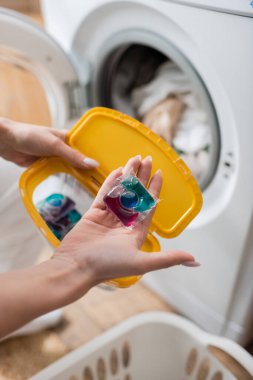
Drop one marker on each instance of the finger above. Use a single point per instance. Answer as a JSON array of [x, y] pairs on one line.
[[132, 165], [144, 171], [147, 262], [61, 133], [106, 187], [74, 157], [25, 161], [155, 189], [155, 184]]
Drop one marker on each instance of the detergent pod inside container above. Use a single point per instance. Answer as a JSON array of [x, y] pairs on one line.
[[61, 201], [56, 194]]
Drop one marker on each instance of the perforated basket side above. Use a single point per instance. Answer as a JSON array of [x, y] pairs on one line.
[[149, 346]]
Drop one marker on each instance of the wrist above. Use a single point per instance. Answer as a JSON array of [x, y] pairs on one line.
[[66, 280], [4, 126], [28, 293], [5, 133]]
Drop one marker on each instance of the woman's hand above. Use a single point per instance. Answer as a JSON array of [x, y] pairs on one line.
[[25, 143], [97, 249], [103, 249]]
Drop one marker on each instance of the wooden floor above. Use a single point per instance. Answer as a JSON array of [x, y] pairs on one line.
[[22, 98]]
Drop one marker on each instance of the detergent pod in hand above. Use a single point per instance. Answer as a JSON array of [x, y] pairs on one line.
[[129, 200], [56, 194]]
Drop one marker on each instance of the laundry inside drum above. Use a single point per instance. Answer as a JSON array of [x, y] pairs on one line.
[[148, 85]]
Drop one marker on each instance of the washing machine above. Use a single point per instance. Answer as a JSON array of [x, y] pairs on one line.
[[211, 42]]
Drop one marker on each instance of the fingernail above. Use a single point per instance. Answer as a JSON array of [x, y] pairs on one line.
[[90, 162], [148, 158], [191, 264], [159, 172], [139, 157]]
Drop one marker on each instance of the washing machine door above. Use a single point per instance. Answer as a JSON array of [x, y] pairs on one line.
[[118, 39], [25, 45]]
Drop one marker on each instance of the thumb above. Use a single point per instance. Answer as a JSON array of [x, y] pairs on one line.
[[148, 262], [74, 157], [71, 155]]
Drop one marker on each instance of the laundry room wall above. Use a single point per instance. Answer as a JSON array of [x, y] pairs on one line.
[[71, 10]]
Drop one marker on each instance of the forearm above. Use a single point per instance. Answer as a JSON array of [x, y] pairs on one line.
[[29, 293], [4, 135]]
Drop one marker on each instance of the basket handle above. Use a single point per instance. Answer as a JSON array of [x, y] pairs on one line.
[[241, 361]]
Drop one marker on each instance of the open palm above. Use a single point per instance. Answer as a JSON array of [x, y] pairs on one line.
[[100, 244]]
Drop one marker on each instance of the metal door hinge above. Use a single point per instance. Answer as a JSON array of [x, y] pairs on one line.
[[77, 98]]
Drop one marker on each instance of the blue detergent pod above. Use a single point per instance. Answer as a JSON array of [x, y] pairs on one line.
[[129, 199], [146, 201]]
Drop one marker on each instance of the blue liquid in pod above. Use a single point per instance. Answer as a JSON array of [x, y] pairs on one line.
[[55, 202], [146, 202], [129, 199]]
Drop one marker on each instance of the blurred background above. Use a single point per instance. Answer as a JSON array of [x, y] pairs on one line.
[[23, 98], [28, 6]]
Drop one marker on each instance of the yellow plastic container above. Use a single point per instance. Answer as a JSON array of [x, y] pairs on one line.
[[111, 138]]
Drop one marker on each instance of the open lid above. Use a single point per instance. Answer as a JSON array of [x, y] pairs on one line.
[[24, 43], [111, 138]]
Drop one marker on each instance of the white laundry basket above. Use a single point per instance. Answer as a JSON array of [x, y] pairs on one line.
[[150, 346]]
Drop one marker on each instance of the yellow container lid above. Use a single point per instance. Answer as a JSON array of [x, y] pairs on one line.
[[111, 138]]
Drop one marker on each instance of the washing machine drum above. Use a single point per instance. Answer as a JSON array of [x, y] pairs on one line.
[[148, 85]]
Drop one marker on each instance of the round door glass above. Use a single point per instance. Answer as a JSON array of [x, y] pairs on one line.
[[148, 85]]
